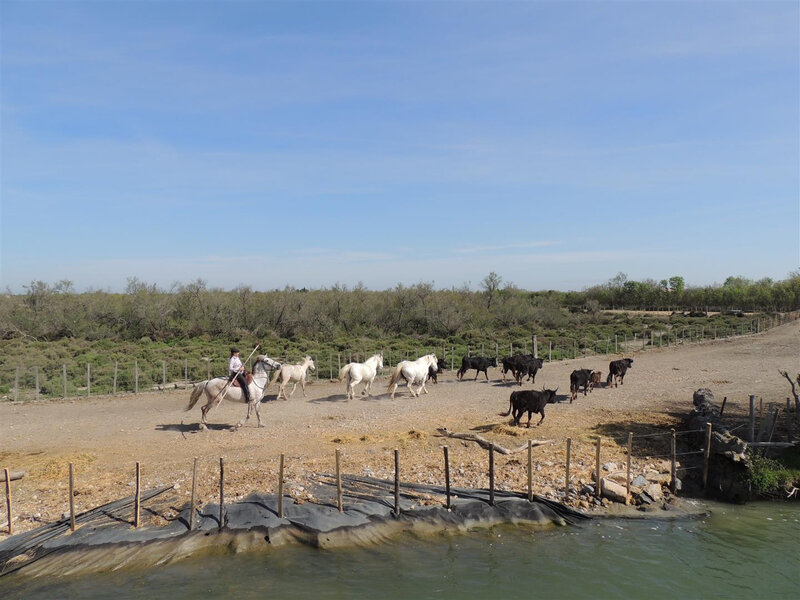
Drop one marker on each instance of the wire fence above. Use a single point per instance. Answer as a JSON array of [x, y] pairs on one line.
[[103, 376]]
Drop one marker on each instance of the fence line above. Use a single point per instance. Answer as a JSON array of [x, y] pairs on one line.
[[113, 376], [571, 445]]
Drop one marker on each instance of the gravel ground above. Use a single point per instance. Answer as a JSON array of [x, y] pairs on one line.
[[104, 436]]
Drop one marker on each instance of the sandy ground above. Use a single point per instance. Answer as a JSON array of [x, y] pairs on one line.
[[103, 437]]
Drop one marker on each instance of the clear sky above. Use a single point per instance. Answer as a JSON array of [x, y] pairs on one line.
[[313, 143]]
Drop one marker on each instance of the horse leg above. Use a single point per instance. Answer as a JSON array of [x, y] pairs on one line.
[[247, 418], [258, 413], [294, 387], [303, 386]]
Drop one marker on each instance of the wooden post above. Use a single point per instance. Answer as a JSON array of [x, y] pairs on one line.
[[64, 378], [36, 381], [221, 492], [338, 362], [330, 362], [722, 409], [136, 377], [185, 372], [194, 495], [447, 474], [597, 469], [530, 471], [628, 478], [116, 367], [752, 429], [535, 347], [566, 475], [396, 481], [16, 384], [339, 482], [491, 474], [707, 456], [673, 466], [137, 498], [163, 375], [88, 379], [71, 498], [789, 432], [208, 369], [8, 502], [616, 344], [280, 487], [550, 351]]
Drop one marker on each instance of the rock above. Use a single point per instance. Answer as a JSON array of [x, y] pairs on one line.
[[654, 491], [612, 490], [644, 498], [610, 466], [584, 504], [587, 489]]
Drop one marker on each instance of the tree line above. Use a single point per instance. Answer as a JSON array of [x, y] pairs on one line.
[[47, 312]]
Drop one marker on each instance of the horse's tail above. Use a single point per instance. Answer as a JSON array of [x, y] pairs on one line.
[[274, 378], [508, 412], [395, 376], [196, 393], [344, 372]]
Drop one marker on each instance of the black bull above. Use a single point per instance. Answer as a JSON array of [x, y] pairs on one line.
[[530, 401], [479, 363], [617, 370]]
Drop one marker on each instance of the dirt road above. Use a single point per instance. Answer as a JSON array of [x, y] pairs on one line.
[[103, 437]]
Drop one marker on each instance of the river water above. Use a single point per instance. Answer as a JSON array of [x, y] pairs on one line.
[[750, 551]]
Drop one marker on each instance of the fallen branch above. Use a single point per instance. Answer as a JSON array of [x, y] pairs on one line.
[[484, 443], [13, 475]]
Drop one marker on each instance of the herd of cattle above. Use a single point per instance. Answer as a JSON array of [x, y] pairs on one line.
[[534, 401]]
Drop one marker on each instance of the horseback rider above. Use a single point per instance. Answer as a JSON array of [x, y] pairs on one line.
[[236, 371]]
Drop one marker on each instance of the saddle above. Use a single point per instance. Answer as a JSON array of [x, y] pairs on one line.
[[248, 377]]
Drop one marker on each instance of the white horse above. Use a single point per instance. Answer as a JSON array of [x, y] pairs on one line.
[[415, 371], [293, 374], [218, 388], [354, 373]]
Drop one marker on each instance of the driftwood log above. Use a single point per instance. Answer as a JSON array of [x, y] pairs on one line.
[[12, 475], [484, 443]]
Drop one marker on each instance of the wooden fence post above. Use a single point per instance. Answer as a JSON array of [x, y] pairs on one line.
[[88, 379], [491, 474], [280, 487], [550, 351], [16, 384], [566, 476], [36, 381], [447, 474], [339, 502], [71, 498], [673, 467], [8, 502], [789, 432], [163, 375], [597, 469], [396, 482], [64, 378], [194, 495], [221, 492], [137, 498], [628, 478], [530, 471], [136, 377], [185, 372], [752, 428], [707, 456], [722, 408], [116, 366]]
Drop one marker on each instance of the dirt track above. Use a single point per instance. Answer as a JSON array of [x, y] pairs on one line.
[[104, 436]]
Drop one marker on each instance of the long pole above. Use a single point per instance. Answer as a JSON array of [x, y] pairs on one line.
[[71, 499], [707, 456], [566, 475], [280, 487], [137, 498], [8, 501], [339, 502], [396, 481], [597, 469], [628, 478], [491, 474], [194, 495], [530, 471], [221, 492], [447, 474]]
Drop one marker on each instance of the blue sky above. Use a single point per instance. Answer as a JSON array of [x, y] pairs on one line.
[[312, 143]]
